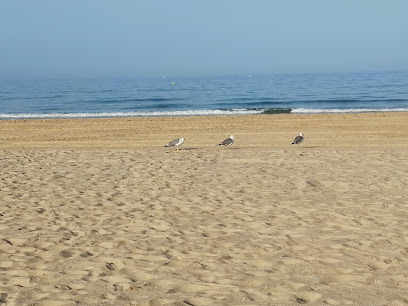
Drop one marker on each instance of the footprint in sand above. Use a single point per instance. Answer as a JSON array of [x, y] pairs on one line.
[[307, 297]]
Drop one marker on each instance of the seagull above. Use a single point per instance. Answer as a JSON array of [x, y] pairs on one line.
[[299, 139], [175, 143], [228, 142]]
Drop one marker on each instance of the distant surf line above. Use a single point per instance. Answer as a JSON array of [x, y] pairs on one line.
[[249, 111]]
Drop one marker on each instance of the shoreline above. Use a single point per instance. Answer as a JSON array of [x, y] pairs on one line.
[[199, 113]]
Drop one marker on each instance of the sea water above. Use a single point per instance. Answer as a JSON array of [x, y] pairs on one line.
[[184, 96]]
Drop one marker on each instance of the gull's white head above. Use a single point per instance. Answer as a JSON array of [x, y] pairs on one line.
[[181, 141], [232, 137], [301, 134]]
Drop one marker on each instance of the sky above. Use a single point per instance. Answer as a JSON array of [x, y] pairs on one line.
[[149, 38]]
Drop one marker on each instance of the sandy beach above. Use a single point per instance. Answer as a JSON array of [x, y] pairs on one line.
[[98, 212]]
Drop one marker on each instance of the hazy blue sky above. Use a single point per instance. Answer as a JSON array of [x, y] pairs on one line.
[[125, 38]]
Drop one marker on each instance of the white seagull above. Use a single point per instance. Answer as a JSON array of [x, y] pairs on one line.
[[176, 142], [299, 139], [228, 142]]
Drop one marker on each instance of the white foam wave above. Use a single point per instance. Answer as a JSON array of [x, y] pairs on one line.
[[130, 114], [346, 110], [192, 113]]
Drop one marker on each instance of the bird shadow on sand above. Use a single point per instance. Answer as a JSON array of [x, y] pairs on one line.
[[235, 148], [311, 147], [188, 149]]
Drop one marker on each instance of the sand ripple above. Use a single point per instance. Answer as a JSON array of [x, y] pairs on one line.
[[203, 227]]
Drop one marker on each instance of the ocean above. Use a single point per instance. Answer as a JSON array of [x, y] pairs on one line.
[[178, 96]]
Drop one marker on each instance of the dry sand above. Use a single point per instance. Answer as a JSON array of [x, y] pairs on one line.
[[98, 212]]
